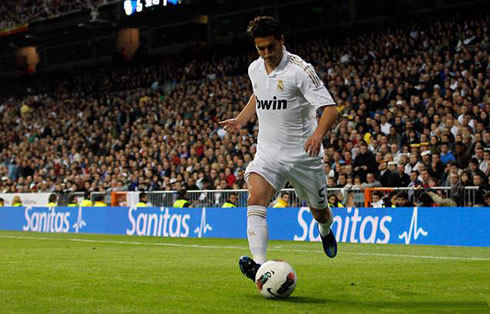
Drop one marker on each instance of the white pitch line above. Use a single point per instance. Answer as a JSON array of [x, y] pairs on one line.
[[245, 248]]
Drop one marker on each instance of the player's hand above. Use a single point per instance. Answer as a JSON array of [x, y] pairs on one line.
[[231, 125], [313, 144]]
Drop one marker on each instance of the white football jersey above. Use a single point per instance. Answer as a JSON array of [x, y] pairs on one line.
[[287, 101]]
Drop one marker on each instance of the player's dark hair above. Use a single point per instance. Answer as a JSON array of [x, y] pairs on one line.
[[264, 26]]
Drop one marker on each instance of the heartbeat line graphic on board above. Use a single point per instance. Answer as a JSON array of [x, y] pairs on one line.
[[413, 229], [80, 222], [204, 227]]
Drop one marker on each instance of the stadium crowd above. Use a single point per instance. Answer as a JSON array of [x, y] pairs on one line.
[[414, 104], [19, 12]]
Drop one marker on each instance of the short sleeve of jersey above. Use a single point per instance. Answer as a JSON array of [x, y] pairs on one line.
[[251, 68], [312, 88]]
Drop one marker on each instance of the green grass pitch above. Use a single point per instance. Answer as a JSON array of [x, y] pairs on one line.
[[74, 273]]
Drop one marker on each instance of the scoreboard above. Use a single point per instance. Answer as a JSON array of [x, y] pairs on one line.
[[137, 6]]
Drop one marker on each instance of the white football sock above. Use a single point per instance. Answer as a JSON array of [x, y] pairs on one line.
[[257, 232], [325, 228]]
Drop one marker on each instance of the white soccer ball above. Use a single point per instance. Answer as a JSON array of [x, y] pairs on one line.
[[276, 279]]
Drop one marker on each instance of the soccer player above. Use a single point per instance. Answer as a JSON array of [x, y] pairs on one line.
[[286, 96]]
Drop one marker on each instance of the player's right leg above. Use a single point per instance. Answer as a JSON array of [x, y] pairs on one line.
[[260, 193], [308, 179], [324, 218]]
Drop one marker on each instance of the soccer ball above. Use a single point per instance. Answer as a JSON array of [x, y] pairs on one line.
[[275, 279]]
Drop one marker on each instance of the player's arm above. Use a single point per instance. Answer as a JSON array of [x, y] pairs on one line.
[[234, 125], [327, 119]]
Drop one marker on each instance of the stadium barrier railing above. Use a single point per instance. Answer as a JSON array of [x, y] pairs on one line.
[[468, 196], [349, 196]]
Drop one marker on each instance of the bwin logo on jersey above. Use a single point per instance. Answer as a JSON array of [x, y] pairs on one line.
[[274, 104]]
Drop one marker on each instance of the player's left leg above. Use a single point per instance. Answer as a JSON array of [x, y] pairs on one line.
[[259, 194], [263, 179]]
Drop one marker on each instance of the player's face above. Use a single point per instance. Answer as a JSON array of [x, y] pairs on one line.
[[270, 49]]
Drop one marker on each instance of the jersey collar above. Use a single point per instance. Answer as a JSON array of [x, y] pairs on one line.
[[281, 66]]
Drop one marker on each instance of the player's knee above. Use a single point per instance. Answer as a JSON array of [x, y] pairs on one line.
[[256, 200]]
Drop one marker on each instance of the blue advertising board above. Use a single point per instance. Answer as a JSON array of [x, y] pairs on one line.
[[432, 225]]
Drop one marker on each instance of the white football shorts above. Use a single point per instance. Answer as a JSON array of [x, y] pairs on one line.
[[307, 178]]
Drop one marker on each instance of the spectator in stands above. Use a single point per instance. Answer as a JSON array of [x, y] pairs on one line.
[[99, 200], [487, 200], [393, 178], [333, 201], [384, 173], [480, 193], [413, 164], [394, 137], [53, 200], [389, 200], [446, 154], [232, 201], [436, 169], [282, 201], [371, 181], [191, 185], [426, 159], [2, 202], [143, 200], [456, 192], [424, 177], [377, 200], [182, 200], [466, 179], [475, 169], [364, 162], [72, 202], [16, 201], [403, 178], [485, 163], [341, 180], [462, 154], [86, 202], [402, 200]]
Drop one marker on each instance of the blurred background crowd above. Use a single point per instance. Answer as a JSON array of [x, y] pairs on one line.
[[18, 12], [413, 103]]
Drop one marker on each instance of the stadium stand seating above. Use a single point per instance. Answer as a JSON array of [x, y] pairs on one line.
[[21, 12], [418, 95]]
